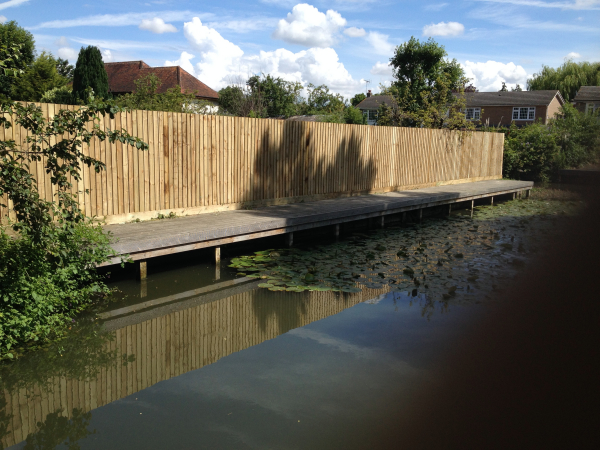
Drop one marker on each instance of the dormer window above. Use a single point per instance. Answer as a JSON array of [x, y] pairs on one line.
[[524, 113]]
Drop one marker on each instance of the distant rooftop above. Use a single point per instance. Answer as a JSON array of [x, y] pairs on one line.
[[588, 94], [512, 98], [121, 77], [375, 101]]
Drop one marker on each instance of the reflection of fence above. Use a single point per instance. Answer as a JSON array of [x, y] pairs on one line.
[[199, 163], [173, 344]]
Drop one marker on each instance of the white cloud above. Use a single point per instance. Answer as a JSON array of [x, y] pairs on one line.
[[246, 25], [67, 53], [306, 25], [380, 43], [382, 69], [435, 7], [444, 29], [157, 26], [577, 4], [62, 42], [107, 56], [119, 20], [355, 32], [573, 55], [488, 76], [11, 3], [3, 19], [221, 62]]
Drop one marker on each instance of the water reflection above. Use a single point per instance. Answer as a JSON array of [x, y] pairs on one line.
[[48, 395]]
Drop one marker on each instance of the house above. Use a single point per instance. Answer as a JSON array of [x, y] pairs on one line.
[[587, 99], [370, 106], [121, 77], [521, 107]]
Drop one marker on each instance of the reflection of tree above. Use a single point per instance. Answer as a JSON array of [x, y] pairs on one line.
[[5, 419], [80, 355], [57, 430]]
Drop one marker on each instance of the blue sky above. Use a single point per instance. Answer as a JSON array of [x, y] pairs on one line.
[[340, 43]]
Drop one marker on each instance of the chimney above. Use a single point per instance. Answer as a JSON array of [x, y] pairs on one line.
[[368, 93]]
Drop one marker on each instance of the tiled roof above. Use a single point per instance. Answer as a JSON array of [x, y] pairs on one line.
[[515, 98], [121, 77], [588, 93], [375, 101]]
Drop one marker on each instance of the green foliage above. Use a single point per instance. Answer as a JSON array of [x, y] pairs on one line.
[[418, 68], [13, 36], [279, 97], [231, 99], [60, 96], [57, 430], [37, 79], [64, 68], [537, 152], [354, 115], [147, 97], [567, 78], [90, 73], [357, 99], [529, 152], [322, 101], [47, 271]]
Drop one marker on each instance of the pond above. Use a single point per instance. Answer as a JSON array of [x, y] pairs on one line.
[[303, 351]]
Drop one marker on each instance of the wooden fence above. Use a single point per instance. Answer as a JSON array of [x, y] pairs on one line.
[[199, 163], [167, 346]]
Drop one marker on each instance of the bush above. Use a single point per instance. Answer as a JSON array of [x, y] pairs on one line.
[[61, 96], [529, 152], [354, 115]]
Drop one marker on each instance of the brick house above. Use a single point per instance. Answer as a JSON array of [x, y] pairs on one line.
[[370, 106], [587, 99], [121, 77], [520, 107]]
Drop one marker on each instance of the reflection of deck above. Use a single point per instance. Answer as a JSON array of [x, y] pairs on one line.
[[149, 239], [168, 345]]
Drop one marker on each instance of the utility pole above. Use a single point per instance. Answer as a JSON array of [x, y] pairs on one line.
[[367, 86]]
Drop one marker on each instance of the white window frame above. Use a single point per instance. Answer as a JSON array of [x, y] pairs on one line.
[[523, 113], [473, 113]]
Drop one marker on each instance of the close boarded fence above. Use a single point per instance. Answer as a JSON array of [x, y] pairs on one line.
[[199, 163]]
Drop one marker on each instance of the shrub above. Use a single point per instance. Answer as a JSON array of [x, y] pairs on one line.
[[61, 96], [529, 152]]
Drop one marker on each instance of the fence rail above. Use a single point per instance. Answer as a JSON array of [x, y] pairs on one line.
[[199, 163]]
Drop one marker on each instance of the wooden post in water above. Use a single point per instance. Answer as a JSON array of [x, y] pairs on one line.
[[420, 215], [290, 239], [449, 209], [217, 263], [143, 288], [143, 270], [528, 193], [492, 200], [514, 195], [472, 206], [336, 231], [381, 221]]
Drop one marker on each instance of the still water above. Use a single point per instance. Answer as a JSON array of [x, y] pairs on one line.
[[189, 361]]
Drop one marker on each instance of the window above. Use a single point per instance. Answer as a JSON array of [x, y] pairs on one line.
[[591, 107], [524, 113], [370, 114], [473, 114]]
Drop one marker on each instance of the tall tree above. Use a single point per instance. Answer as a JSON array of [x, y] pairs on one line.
[[64, 68], [279, 96], [418, 68], [90, 73], [11, 35], [38, 78], [357, 99], [567, 78]]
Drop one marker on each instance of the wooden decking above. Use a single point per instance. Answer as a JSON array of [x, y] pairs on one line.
[[150, 239]]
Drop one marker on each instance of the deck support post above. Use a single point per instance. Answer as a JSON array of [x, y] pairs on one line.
[[420, 214], [217, 263], [472, 207], [514, 195], [143, 270], [143, 288], [528, 193], [381, 221], [449, 209], [336, 231], [492, 200], [290, 239]]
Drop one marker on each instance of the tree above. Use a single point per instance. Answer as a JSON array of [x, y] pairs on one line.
[[517, 88], [60, 96], [418, 68], [357, 99], [353, 115], [567, 78], [231, 99], [64, 68], [279, 97], [90, 73], [322, 101], [40, 77], [504, 88], [12, 35]]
